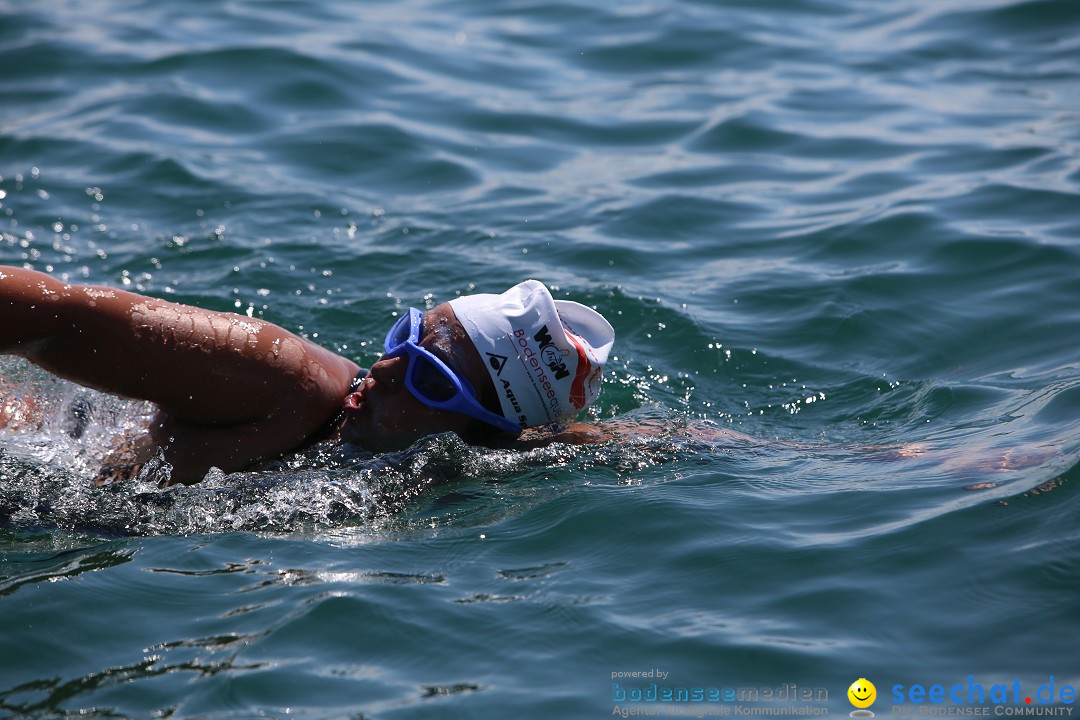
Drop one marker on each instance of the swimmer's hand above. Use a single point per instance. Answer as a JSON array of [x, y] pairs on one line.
[[573, 434], [627, 430], [17, 409], [17, 413]]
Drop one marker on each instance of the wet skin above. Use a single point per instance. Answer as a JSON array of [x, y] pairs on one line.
[[230, 390]]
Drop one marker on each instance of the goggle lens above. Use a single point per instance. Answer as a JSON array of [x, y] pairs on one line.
[[430, 381]]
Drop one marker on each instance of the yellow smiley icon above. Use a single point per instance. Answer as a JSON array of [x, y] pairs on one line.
[[862, 693]]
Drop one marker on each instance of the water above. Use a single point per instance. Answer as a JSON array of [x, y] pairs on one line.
[[845, 229]]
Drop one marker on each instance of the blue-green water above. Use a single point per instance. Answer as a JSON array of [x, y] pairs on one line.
[[843, 228]]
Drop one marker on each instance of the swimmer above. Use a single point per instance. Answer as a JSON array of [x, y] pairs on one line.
[[231, 391]]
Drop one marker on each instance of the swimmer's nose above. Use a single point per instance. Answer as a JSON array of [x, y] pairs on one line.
[[390, 372]]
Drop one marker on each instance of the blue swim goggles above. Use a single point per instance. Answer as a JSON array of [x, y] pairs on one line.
[[431, 381]]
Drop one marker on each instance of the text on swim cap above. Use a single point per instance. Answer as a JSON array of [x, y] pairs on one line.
[[528, 356], [551, 354], [509, 392]]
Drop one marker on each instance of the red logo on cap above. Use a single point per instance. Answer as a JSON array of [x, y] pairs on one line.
[[584, 367]]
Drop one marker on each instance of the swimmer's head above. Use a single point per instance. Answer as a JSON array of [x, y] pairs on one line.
[[526, 357], [544, 356]]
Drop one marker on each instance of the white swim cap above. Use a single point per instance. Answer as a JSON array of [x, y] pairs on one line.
[[545, 356]]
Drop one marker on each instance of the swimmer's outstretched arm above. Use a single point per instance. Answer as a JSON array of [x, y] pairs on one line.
[[623, 429], [202, 368], [962, 462]]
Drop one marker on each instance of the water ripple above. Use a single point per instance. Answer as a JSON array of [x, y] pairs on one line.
[[845, 230]]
